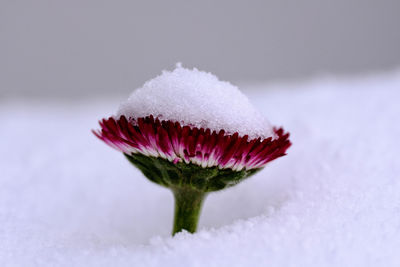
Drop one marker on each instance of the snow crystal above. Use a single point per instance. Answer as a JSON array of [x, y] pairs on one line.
[[66, 199], [196, 98]]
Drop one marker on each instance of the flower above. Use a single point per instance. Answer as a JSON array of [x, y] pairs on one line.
[[190, 132]]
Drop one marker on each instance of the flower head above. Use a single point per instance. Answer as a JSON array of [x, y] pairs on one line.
[[181, 143]]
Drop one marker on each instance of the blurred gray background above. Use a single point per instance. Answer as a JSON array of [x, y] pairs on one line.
[[80, 48]]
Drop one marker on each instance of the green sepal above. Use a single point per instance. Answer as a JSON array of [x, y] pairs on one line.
[[189, 176]]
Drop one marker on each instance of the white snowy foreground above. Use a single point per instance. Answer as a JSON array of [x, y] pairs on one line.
[[66, 199]]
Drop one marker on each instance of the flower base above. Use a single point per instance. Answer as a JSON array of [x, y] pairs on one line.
[[191, 176], [189, 183]]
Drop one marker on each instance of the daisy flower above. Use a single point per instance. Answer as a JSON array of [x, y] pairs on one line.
[[194, 134]]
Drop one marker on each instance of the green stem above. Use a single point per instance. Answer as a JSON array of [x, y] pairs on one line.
[[188, 204]]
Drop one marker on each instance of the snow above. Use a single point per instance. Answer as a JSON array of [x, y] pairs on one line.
[[66, 199], [199, 99]]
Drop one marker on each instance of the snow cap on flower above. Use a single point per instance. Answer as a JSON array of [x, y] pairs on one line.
[[196, 98], [190, 116]]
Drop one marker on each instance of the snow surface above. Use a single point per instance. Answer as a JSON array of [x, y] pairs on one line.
[[196, 98], [66, 199]]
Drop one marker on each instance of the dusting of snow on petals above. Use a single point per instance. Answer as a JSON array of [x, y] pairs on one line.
[[198, 99], [175, 143]]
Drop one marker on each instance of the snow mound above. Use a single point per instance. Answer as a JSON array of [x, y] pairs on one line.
[[66, 199], [199, 99]]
